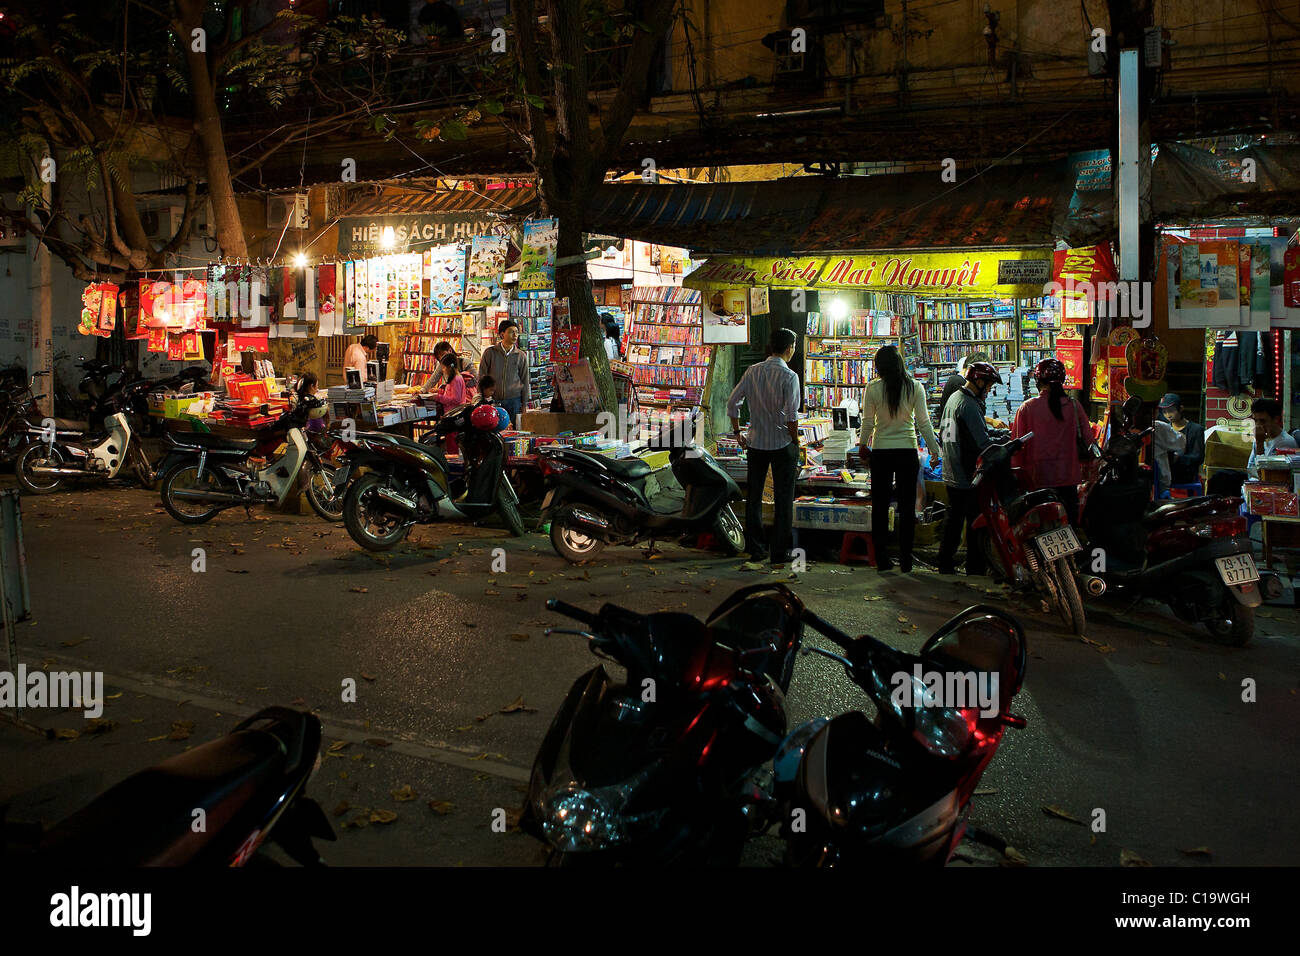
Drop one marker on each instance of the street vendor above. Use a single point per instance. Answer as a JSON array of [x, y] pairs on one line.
[[359, 353]]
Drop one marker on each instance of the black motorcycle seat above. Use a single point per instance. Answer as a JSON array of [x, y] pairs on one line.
[[71, 425], [1162, 512], [1016, 507], [628, 469], [208, 441], [147, 819]]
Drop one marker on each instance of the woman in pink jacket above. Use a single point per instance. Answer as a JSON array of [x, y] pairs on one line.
[[1051, 458]]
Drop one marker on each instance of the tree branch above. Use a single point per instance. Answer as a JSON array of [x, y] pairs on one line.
[[631, 91]]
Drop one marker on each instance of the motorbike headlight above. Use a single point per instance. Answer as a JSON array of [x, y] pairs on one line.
[[577, 819]]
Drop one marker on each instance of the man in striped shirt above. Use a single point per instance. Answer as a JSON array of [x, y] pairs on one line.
[[771, 390]]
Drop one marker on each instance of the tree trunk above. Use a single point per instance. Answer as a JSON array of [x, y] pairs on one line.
[[572, 282], [207, 120]]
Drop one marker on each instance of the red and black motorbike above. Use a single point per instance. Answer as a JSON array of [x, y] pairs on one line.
[[671, 764], [1027, 533], [896, 789], [1194, 554]]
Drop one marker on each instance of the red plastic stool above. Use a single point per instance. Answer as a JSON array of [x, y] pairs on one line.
[[850, 552]]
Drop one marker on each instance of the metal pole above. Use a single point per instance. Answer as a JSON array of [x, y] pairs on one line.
[[1129, 144]]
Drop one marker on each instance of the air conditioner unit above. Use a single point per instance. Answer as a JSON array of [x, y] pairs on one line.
[[162, 223], [291, 209]]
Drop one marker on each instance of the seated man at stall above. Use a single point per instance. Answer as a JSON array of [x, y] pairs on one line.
[[1269, 437]]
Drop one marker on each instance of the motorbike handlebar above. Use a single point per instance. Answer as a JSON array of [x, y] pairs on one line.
[[569, 610]]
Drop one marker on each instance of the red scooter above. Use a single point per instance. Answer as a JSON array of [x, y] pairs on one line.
[[1028, 537], [1194, 554]]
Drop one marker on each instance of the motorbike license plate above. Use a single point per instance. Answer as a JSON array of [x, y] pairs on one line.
[[1058, 543], [1237, 569]]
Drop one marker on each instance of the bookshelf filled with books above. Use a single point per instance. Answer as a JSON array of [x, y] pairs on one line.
[[1039, 323], [534, 318], [418, 363], [839, 354], [665, 346], [954, 328]]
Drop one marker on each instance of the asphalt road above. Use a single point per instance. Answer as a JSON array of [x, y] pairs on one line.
[[1144, 721]]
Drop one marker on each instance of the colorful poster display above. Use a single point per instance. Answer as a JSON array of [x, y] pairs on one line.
[[577, 387], [487, 264], [537, 260], [444, 269], [566, 337]]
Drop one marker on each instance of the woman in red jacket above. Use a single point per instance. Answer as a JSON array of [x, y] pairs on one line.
[[1051, 458]]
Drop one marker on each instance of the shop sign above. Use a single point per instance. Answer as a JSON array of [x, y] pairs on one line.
[[360, 236], [1021, 272]]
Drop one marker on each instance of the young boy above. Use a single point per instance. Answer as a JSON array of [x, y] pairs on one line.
[[486, 386]]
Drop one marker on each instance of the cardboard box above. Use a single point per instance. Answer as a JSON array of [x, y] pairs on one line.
[[175, 407], [1226, 448], [546, 423]]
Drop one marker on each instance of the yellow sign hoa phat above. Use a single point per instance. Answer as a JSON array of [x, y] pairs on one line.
[[994, 272]]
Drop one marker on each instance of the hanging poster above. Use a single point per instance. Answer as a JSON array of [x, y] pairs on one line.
[[326, 283], [726, 317], [444, 270], [128, 300], [487, 263], [159, 304], [1204, 285], [98, 309], [362, 293], [1291, 277], [157, 340], [350, 292], [537, 260], [758, 300], [175, 348], [1079, 273], [404, 290], [566, 338], [192, 346], [577, 386]]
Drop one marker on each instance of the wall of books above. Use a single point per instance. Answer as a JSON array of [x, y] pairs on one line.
[[840, 350], [418, 363], [534, 318], [666, 346], [1040, 320]]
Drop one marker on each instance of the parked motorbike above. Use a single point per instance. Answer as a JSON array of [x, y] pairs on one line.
[[592, 501], [251, 786], [406, 482], [1194, 554], [57, 455], [19, 414], [897, 789], [669, 765], [206, 474], [1028, 537]]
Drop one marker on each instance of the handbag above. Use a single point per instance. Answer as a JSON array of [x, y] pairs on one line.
[[1086, 447]]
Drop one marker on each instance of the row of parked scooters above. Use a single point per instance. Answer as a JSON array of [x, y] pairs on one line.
[[682, 760], [1193, 554]]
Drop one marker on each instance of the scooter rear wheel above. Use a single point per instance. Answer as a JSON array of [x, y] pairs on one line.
[[1068, 601], [570, 542], [185, 477], [35, 454], [1236, 630], [360, 520]]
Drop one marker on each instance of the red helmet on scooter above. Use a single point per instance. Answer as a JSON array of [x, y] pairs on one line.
[[484, 417], [1050, 372]]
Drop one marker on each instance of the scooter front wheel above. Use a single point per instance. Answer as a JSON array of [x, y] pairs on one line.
[[321, 494], [571, 542], [730, 532], [36, 455]]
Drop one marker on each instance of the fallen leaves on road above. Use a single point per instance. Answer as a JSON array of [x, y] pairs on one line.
[[442, 807], [1158, 642], [382, 816], [100, 725], [1129, 858], [64, 733], [518, 707], [404, 793], [369, 677], [1055, 811], [341, 809], [378, 742], [519, 637], [181, 730], [337, 746], [874, 597], [1197, 851], [1101, 648], [1013, 857], [80, 640], [359, 590], [236, 571]]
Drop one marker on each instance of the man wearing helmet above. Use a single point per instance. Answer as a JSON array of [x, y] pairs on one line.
[[964, 435]]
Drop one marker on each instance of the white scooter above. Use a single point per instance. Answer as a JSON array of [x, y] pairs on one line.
[[57, 455]]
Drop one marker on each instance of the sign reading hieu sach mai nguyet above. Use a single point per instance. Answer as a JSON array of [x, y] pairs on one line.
[[1002, 272]]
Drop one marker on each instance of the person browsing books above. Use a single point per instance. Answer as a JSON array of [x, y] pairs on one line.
[[893, 411]]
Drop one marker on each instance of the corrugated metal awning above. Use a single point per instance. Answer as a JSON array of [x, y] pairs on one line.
[[1012, 205], [404, 201]]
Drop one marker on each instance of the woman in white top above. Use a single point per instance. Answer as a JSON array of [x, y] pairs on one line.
[[893, 410]]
